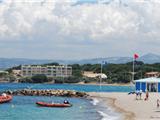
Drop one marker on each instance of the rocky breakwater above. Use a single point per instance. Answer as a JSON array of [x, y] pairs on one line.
[[32, 92]]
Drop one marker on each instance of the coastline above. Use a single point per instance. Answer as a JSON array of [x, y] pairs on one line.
[[104, 84], [129, 107], [81, 83], [111, 102], [128, 115]]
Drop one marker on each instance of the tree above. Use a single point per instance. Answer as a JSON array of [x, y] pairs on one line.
[[76, 70], [54, 63], [40, 78], [14, 68]]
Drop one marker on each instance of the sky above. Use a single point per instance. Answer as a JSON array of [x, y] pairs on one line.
[[78, 29]]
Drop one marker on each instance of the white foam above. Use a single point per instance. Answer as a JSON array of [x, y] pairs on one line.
[[107, 117], [107, 113], [95, 101]]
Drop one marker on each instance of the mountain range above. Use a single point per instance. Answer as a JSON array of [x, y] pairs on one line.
[[10, 62]]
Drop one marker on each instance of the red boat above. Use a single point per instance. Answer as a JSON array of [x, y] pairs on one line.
[[44, 104], [5, 98]]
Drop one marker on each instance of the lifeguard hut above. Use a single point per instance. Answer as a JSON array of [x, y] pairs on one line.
[[151, 84]]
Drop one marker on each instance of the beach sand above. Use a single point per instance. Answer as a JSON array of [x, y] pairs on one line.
[[131, 108], [104, 84]]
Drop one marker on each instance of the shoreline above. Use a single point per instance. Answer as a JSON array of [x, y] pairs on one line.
[[111, 102], [127, 114], [129, 106], [103, 84]]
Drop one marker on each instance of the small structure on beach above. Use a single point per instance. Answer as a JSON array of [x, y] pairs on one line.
[[151, 84]]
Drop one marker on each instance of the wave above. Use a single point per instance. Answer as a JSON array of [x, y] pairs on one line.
[[108, 117], [106, 112], [95, 101]]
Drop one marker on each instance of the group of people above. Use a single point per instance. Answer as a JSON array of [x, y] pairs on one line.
[[139, 95]]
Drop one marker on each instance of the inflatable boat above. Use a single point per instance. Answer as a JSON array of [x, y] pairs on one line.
[[44, 104], [6, 98]]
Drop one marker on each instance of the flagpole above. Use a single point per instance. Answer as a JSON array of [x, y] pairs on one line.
[[100, 85], [133, 71]]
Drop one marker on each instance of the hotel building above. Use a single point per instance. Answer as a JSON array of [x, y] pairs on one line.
[[49, 71]]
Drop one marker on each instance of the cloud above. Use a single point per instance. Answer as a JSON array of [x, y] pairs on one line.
[[91, 21], [91, 24]]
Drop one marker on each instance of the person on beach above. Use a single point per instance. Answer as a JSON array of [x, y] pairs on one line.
[[137, 94], [157, 103], [140, 94], [147, 95]]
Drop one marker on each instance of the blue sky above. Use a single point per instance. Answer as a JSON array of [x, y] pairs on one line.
[[68, 29]]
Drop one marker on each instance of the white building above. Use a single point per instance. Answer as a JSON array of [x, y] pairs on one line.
[[91, 74], [49, 71]]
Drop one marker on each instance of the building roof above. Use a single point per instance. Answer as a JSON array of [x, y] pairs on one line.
[[149, 80], [151, 73]]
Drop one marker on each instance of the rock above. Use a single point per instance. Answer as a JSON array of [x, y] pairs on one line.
[[30, 92]]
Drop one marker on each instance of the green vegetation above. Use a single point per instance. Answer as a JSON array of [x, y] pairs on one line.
[[36, 79], [72, 79], [116, 73], [51, 64], [39, 78], [14, 68]]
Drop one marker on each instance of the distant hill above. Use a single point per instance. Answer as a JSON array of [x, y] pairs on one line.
[[10, 62], [150, 58], [115, 60], [147, 58]]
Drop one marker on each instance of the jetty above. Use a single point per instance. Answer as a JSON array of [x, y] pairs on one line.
[[48, 92]]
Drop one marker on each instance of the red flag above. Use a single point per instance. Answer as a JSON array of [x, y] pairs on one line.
[[136, 56]]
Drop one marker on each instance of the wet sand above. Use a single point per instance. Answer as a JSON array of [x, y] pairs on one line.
[[131, 108]]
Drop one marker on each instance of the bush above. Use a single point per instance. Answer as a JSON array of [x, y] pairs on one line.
[[35, 79], [11, 78], [41, 78], [59, 80], [25, 80], [89, 80], [72, 79]]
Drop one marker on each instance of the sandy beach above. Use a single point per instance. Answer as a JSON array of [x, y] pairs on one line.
[[104, 84], [131, 108]]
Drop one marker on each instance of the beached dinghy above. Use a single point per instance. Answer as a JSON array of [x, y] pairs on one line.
[[5, 98], [44, 104]]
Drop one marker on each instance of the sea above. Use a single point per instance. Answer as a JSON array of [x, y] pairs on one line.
[[24, 107]]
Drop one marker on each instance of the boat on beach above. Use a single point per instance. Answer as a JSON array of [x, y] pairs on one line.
[[5, 98], [45, 104]]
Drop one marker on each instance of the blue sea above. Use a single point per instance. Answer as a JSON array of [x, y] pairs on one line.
[[24, 107]]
